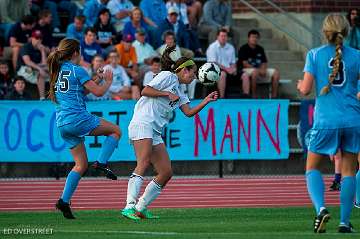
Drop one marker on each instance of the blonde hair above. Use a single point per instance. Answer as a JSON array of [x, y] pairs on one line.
[[335, 29], [64, 51]]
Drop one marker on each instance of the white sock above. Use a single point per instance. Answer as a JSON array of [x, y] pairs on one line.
[[134, 186], [152, 191]]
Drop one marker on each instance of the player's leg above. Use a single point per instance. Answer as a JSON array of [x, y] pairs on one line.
[[336, 184], [143, 150], [113, 134], [79, 154], [357, 202], [162, 164], [347, 193]]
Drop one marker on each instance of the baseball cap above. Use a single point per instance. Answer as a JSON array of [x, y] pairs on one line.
[[128, 38], [37, 34], [172, 10]]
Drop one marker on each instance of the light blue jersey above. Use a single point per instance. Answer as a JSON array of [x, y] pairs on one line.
[[339, 108], [69, 92]]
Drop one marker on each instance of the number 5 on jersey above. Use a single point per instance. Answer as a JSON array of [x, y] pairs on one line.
[[62, 84]]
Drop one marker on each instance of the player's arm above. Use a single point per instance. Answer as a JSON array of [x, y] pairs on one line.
[[100, 90], [190, 112], [304, 86], [152, 92]]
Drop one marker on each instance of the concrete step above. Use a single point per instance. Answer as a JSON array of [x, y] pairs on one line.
[[281, 55], [288, 66], [265, 33], [246, 22]]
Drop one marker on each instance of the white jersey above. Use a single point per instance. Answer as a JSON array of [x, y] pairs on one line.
[[157, 111]]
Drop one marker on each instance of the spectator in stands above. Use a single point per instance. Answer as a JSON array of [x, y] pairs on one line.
[[38, 5], [19, 35], [121, 87], [353, 39], [97, 65], [92, 9], [182, 10], [137, 21], [5, 79], [128, 58], [155, 10], [19, 92], [194, 8], [217, 14], [105, 31], [155, 69], [89, 47], [223, 53], [170, 40], [77, 28], [144, 52], [120, 11], [252, 59], [185, 36], [44, 25], [32, 63]]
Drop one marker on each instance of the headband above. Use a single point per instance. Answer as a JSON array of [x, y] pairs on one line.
[[185, 64]]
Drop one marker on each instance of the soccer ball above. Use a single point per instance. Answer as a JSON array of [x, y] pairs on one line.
[[209, 73]]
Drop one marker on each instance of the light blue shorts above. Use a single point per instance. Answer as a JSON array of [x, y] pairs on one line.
[[73, 133], [328, 141]]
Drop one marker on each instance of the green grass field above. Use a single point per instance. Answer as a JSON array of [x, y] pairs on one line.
[[179, 223]]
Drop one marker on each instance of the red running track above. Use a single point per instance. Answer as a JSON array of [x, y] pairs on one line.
[[287, 191]]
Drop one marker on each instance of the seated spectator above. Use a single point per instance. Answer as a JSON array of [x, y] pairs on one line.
[[136, 22], [92, 9], [19, 35], [254, 62], [194, 12], [105, 31], [218, 14], [120, 11], [186, 37], [155, 69], [38, 5], [155, 10], [121, 87], [128, 58], [5, 79], [44, 25], [19, 92], [353, 39], [182, 10], [223, 53], [89, 47], [32, 63], [170, 40], [97, 65], [144, 52], [77, 28]]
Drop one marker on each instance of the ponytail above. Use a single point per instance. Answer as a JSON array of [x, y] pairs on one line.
[[65, 51], [167, 64]]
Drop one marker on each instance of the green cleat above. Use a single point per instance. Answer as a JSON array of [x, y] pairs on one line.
[[146, 214], [130, 213]]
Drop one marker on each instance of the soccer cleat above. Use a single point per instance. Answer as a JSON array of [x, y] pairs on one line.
[[357, 205], [321, 220], [103, 167], [130, 213], [65, 209], [346, 229], [146, 214], [335, 186]]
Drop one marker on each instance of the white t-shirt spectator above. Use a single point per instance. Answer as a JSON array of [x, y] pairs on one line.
[[120, 78], [143, 51], [224, 55]]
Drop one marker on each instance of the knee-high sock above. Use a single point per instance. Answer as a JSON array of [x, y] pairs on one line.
[[315, 186], [71, 183], [347, 198], [358, 187], [152, 191], [107, 150], [134, 186]]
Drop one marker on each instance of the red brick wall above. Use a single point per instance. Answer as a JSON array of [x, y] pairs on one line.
[[299, 5]]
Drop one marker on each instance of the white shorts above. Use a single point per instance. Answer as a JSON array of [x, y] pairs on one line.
[[144, 131], [261, 79]]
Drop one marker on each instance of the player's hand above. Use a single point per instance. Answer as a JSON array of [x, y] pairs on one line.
[[213, 96], [108, 76], [358, 95]]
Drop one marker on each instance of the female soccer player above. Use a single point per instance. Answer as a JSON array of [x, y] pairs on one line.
[[68, 85], [152, 112], [335, 69]]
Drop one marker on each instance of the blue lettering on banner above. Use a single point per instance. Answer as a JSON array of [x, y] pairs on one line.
[[224, 130]]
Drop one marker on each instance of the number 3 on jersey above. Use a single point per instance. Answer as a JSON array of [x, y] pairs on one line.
[[62, 84], [341, 76]]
